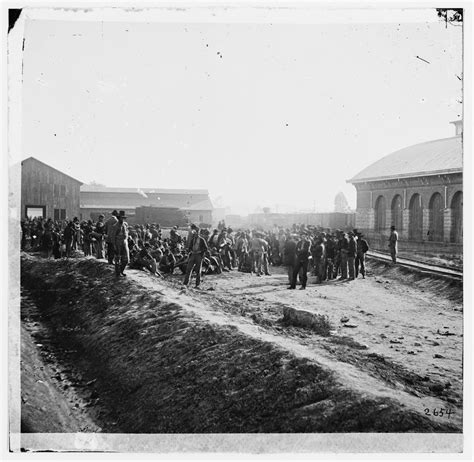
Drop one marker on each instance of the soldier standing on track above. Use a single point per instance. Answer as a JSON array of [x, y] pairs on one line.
[[393, 244]]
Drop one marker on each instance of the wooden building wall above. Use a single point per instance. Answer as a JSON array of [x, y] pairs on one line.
[[44, 186]]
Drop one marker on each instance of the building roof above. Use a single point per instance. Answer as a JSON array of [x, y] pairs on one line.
[[429, 158], [202, 205], [104, 189], [29, 159], [120, 198]]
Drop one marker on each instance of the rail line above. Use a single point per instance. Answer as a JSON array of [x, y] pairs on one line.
[[422, 267]]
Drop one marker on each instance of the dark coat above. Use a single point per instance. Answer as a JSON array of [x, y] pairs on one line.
[[289, 253]]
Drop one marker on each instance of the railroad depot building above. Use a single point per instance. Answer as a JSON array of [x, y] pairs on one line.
[[419, 190], [47, 192], [195, 203]]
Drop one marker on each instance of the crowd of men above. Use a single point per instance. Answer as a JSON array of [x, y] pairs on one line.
[[326, 254]]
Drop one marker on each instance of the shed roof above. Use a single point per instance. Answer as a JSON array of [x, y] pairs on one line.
[[29, 159], [429, 158], [107, 189]]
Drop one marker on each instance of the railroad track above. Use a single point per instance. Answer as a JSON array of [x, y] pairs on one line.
[[420, 266]]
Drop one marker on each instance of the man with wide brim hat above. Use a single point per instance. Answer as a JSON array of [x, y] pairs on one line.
[[109, 224], [119, 236]]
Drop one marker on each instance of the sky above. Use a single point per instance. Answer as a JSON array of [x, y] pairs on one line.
[[262, 114]]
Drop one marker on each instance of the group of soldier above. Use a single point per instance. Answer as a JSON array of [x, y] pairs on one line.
[[326, 254]]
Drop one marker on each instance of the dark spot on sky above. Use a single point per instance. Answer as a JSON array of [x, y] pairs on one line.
[[55, 134], [286, 125]]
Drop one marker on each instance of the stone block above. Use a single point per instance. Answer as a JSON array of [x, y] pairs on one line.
[[303, 318]]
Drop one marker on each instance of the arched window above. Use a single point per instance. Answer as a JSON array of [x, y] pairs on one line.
[[436, 222], [415, 224], [397, 212], [456, 217], [380, 213]]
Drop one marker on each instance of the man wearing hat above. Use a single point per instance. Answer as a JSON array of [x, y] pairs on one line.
[[99, 236], [258, 247], [393, 244], [362, 248], [343, 247], [119, 236], [198, 247], [351, 255], [109, 224], [303, 254], [289, 255]]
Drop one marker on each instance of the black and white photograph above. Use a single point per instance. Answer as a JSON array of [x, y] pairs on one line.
[[237, 228]]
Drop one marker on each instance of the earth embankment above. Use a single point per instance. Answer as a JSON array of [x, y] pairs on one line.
[[161, 365]]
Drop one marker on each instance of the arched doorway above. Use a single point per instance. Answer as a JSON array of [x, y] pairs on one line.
[[456, 217], [380, 213], [436, 223], [415, 224], [397, 212]]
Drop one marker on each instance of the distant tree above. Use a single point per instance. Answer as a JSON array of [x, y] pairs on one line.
[[266, 209], [340, 203], [453, 16]]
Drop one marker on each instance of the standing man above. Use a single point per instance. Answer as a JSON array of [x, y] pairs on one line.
[[258, 246], [351, 255], [109, 224], [319, 259], [197, 245], [302, 259], [343, 246], [289, 256], [393, 244], [362, 248], [68, 238], [99, 235], [119, 236]]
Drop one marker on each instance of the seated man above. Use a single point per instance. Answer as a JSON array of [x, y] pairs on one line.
[[167, 262], [141, 259]]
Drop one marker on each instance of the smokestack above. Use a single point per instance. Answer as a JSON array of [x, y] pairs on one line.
[[457, 126]]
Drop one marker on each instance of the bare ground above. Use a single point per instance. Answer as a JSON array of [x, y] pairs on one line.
[[222, 359]]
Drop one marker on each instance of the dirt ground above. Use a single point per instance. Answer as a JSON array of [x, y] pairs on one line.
[[394, 346], [406, 332]]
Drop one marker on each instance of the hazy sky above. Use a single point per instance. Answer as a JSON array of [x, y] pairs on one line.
[[259, 114]]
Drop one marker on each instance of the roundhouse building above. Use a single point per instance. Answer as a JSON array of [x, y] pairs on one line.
[[418, 190]]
